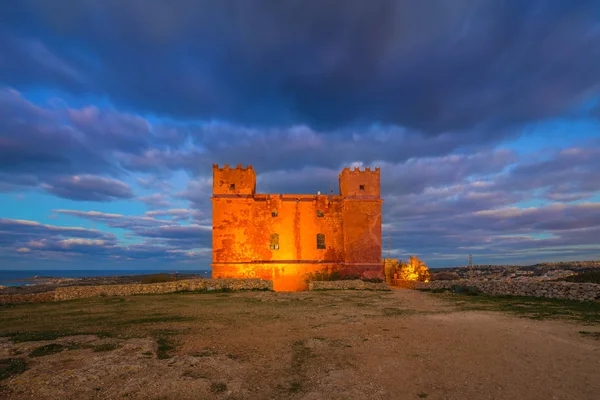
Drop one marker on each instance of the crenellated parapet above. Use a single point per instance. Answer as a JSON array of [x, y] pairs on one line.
[[226, 167]]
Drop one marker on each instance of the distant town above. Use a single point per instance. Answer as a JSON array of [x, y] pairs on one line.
[[541, 271]]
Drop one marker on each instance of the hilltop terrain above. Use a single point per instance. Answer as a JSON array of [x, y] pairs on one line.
[[309, 345]]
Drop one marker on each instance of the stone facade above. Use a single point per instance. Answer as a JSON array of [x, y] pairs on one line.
[[282, 237], [554, 290], [347, 285], [79, 292]]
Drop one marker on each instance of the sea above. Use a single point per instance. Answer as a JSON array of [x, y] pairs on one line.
[[23, 277]]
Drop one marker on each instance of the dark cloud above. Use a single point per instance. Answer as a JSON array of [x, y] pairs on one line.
[[88, 188], [26, 240], [429, 66]]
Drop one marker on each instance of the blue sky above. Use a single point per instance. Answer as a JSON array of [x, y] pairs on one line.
[[483, 117]]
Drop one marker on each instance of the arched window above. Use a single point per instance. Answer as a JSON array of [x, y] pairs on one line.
[[274, 243], [320, 241], [274, 213]]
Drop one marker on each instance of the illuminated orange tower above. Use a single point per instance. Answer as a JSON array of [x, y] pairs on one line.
[[282, 237]]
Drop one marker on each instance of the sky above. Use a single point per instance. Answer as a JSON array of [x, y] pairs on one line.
[[483, 116]]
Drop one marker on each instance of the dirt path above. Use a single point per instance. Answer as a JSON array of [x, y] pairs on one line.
[[328, 345]]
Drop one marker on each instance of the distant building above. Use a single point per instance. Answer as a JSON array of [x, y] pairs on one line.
[[282, 237]]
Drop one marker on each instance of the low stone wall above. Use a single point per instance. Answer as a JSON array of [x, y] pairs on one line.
[[553, 290], [347, 285], [79, 292]]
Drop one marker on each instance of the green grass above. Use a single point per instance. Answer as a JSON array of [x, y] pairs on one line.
[[158, 319], [19, 337], [218, 387], [12, 366], [530, 307], [105, 347], [165, 347], [585, 277], [594, 335], [47, 350]]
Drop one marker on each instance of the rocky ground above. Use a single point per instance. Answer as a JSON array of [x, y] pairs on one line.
[[402, 344]]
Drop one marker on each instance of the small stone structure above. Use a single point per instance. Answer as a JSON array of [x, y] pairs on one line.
[[79, 292], [548, 289], [355, 284]]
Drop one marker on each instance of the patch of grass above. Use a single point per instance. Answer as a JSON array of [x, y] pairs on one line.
[[157, 319], [193, 374], [437, 290], [584, 277], [19, 337], [205, 352], [300, 354], [531, 307], [233, 356], [147, 353], [422, 395], [295, 386], [158, 278], [165, 346], [595, 335], [218, 387], [47, 350], [392, 312], [12, 366], [105, 347]]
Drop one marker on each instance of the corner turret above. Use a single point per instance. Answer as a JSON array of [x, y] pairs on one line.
[[360, 183], [234, 181]]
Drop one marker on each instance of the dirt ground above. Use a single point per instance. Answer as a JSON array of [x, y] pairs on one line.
[[311, 345]]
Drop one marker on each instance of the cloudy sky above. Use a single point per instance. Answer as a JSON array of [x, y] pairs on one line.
[[482, 115]]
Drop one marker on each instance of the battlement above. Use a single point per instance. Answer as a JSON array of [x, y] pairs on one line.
[[226, 167], [355, 170]]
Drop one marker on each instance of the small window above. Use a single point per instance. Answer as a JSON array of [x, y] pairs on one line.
[[362, 188], [320, 241], [274, 213], [232, 186], [320, 213], [274, 245]]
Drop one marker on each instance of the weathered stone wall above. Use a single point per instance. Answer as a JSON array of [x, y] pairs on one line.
[[554, 290], [76, 292], [347, 285], [79, 292]]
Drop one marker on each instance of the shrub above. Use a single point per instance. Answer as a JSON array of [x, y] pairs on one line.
[[158, 278], [468, 290], [12, 366], [585, 277], [47, 350], [445, 276]]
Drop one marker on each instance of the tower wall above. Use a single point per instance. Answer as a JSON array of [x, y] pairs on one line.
[[242, 179], [361, 220]]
